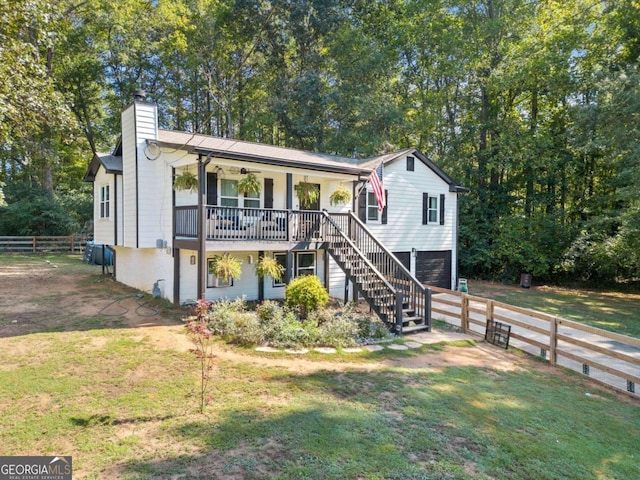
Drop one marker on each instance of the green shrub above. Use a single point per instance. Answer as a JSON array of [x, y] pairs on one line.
[[220, 317], [306, 293], [245, 329], [269, 310], [339, 331]]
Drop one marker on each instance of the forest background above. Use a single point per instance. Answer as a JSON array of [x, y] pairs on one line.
[[534, 105]]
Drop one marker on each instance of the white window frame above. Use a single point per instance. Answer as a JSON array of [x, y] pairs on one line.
[[310, 270], [433, 210], [228, 200], [278, 256], [249, 198], [216, 282], [105, 201], [373, 215]]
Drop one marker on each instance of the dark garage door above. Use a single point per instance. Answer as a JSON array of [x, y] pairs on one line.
[[405, 258], [434, 268]]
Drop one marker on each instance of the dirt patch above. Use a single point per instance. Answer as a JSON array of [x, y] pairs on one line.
[[41, 296]]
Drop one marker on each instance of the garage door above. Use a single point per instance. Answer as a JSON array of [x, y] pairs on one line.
[[434, 268], [405, 258]]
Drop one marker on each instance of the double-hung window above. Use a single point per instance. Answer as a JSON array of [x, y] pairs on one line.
[[252, 200], [432, 209], [228, 193], [306, 264], [213, 281], [372, 207], [281, 258], [105, 201]]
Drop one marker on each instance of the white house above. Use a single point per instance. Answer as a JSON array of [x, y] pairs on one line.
[[166, 237]]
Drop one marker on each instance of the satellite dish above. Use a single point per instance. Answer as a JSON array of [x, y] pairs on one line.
[[152, 151]]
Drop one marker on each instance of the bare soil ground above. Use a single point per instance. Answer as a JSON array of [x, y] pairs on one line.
[[40, 296]]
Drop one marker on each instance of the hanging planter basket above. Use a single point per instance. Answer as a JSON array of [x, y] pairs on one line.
[[308, 193], [225, 267], [186, 181], [340, 196], [249, 185], [269, 267]]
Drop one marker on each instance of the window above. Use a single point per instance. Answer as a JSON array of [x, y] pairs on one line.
[[216, 282], [410, 164], [372, 206], [281, 258], [252, 200], [430, 209], [229, 193], [306, 264], [433, 209], [104, 201]]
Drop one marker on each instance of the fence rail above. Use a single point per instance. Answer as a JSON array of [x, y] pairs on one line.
[[609, 358], [70, 243]]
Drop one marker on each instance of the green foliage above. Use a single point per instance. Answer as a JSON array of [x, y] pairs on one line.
[[269, 267], [306, 293], [278, 325], [308, 193], [35, 212], [225, 266], [249, 184], [186, 181], [340, 196]]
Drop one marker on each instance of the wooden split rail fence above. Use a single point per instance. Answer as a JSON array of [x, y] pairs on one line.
[[607, 357], [70, 243]]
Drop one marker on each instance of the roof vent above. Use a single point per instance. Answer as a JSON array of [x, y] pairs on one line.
[[139, 95]]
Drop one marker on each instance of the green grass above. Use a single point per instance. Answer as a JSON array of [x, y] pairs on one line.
[[123, 410], [609, 310]]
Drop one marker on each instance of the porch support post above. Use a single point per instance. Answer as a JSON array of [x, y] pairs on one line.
[[260, 279], [202, 239], [176, 276], [288, 274], [289, 191], [325, 258], [346, 289]]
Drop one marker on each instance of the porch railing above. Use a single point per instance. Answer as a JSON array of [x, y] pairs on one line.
[[246, 224]]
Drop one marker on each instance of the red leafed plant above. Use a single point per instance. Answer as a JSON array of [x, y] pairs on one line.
[[200, 335]]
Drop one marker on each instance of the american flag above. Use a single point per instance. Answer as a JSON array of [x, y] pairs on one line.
[[376, 180]]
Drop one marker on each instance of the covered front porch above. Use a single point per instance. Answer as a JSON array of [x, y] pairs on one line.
[[239, 224]]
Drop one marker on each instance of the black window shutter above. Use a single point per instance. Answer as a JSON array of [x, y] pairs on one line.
[[268, 193], [362, 205], [212, 188], [386, 206], [425, 208], [442, 209]]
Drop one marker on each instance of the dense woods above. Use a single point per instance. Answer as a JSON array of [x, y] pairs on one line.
[[533, 105]]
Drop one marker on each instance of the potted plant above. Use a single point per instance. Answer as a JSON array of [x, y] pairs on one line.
[[340, 196], [225, 267], [185, 181], [249, 184], [308, 193], [269, 267]]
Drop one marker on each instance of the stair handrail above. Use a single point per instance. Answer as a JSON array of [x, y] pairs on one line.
[[397, 262], [360, 254]]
